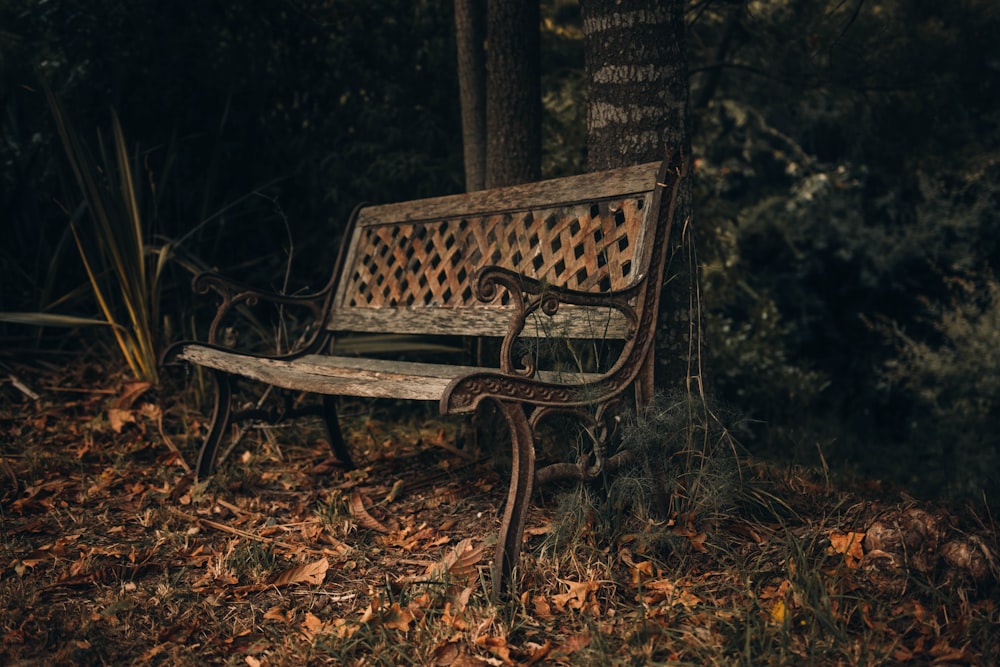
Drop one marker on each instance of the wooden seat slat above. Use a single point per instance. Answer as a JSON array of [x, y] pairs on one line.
[[353, 376]]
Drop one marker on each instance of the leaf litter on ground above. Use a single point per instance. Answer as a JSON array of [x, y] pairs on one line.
[[112, 554]]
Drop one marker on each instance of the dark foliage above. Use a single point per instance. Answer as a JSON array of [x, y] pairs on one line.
[[847, 179], [248, 116]]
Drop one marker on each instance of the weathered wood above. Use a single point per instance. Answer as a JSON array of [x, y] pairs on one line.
[[352, 376], [569, 322], [585, 187]]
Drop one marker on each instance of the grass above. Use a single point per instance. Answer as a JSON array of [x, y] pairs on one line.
[[115, 249], [111, 556]]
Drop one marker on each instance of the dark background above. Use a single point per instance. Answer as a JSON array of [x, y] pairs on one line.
[[847, 178]]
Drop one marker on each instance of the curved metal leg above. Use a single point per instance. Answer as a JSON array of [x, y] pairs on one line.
[[221, 417], [644, 382], [337, 442], [515, 512]]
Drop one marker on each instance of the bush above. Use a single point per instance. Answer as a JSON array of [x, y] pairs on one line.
[[953, 379]]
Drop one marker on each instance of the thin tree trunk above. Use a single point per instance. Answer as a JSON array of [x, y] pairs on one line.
[[470, 32], [513, 89]]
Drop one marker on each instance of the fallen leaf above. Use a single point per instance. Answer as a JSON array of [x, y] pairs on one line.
[[446, 654], [641, 571], [538, 530], [538, 652], [848, 544], [361, 515], [312, 625], [779, 611], [576, 596], [541, 607], [495, 645], [697, 539], [130, 392], [121, 412], [397, 618], [278, 614], [118, 417], [307, 573], [572, 644], [458, 564], [665, 590]]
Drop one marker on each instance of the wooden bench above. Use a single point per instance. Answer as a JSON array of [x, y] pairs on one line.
[[572, 258]]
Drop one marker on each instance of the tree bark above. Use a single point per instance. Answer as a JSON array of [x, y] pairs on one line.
[[638, 112], [637, 81], [513, 93], [470, 32]]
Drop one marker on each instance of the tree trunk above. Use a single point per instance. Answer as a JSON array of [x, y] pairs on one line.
[[470, 29], [638, 112], [513, 93]]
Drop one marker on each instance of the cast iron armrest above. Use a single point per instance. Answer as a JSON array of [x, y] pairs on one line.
[[235, 295], [530, 295]]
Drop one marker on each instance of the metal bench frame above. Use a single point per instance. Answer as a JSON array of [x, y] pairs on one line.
[[581, 257]]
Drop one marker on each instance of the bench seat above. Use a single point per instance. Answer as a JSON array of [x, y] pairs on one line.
[[354, 376], [563, 260]]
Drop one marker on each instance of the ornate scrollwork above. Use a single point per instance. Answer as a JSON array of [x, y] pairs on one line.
[[529, 295], [234, 294], [589, 465]]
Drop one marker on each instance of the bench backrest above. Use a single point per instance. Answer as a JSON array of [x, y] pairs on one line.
[[409, 266]]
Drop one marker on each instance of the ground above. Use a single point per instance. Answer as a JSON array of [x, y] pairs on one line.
[[112, 554]]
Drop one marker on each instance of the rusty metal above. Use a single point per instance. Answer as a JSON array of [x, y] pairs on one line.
[[524, 254]]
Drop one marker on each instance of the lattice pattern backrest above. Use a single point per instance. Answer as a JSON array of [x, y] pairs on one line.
[[587, 247], [410, 266]]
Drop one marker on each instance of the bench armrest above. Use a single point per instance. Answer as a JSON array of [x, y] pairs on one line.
[[488, 278], [530, 295], [237, 296]]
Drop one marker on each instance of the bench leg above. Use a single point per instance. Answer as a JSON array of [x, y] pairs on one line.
[[337, 442], [221, 417], [522, 478], [644, 383]]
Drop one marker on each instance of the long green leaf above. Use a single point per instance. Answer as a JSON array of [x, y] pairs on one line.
[[53, 320], [114, 250]]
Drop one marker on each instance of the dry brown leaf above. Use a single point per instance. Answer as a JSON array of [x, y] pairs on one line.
[[454, 615], [696, 538], [396, 491], [665, 590], [458, 564], [572, 644], [532, 531], [495, 645], [576, 596], [277, 613], [312, 625], [641, 571], [307, 573], [446, 654], [361, 515], [541, 608], [398, 618], [151, 411], [538, 652], [848, 544], [130, 392], [117, 418], [450, 654]]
